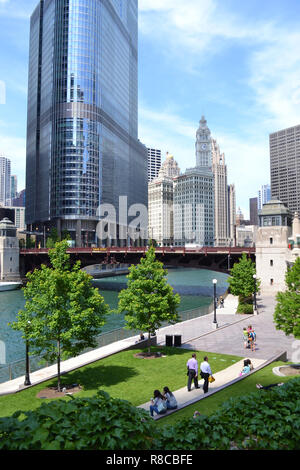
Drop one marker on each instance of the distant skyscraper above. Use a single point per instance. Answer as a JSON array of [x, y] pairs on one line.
[[154, 163], [14, 186], [264, 195], [232, 214], [285, 166], [82, 123], [253, 206], [5, 181]]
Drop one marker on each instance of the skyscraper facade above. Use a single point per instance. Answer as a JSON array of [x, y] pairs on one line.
[[5, 181], [253, 210], [264, 196], [285, 166], [154, 163], [82, 127], [232, 222], [219, 169]]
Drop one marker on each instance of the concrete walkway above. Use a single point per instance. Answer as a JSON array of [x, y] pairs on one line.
[[198, 334], [185, 398]]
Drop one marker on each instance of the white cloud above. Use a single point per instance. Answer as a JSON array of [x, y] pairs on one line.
[[194, 31]]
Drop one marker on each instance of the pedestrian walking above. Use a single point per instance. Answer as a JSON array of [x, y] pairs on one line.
[[192, 372], [251, 336], [205, 373], [245, 337], [221, 302]]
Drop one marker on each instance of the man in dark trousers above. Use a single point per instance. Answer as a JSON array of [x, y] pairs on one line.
[[205, 373], [192, 372]]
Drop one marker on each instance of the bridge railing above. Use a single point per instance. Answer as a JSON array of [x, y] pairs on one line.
[[17, 369], [166, 249]]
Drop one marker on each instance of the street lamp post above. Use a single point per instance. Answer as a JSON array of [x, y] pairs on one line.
[[215, 324], [255, 305], [27, 378]]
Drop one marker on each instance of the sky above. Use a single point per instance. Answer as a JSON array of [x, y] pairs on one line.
[[237, 63]]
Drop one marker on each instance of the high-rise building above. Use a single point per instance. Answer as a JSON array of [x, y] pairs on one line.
[[194, 196], [285, 166], [5, 181], [232, 214], [253, 206], [219, 169], [194, 207], [82, 126], [160, 203], [14, 186], [154, 163], [264, 195]]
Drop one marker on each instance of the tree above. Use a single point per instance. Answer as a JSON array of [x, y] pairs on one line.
[[287, 311], [63, 313], [53, 238], [242, 283], [148, 300]]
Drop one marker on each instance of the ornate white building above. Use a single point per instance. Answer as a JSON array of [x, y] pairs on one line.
[[160, 203], [194, 196]]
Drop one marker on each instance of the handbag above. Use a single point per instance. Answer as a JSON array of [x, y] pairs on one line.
[[211, 379]]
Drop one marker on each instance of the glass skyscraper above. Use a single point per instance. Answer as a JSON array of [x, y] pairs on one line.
[[82, 128]]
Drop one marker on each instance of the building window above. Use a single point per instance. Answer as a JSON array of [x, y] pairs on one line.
[[271, 241]]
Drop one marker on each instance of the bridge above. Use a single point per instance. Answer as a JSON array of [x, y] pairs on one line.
[[215, 258]]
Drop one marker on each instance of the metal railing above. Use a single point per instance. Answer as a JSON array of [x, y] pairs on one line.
[[16, 369]]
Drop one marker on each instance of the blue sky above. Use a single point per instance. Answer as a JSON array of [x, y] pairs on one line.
[[238, 63]]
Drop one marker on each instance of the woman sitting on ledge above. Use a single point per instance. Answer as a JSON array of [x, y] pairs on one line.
[[171, 400], [158, 403]]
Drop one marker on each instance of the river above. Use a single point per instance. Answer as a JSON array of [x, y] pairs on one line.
[[194, 286]]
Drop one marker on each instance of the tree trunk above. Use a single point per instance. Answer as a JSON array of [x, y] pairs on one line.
[[149, 344], [58, 366]]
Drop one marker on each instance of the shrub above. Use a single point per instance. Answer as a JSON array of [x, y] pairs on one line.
[[264, 420], [98, 423], [246, 308], [267, 420]]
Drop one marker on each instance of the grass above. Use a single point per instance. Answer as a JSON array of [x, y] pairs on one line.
[[208, 406], [123, 376]]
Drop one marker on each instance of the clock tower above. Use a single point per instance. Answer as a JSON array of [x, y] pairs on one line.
[[203, 145]]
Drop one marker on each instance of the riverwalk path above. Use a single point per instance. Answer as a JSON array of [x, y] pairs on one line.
[[198, 334]]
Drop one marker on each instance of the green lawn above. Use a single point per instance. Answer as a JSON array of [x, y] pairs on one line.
[[123, 376], [208, 406]]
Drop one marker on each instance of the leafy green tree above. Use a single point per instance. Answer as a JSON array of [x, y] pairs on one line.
[[287, 311], [53, 238], [148, 300], [63, 313], [241, 281]]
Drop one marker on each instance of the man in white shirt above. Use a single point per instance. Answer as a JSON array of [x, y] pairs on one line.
[[205, 373], [192, 372]]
